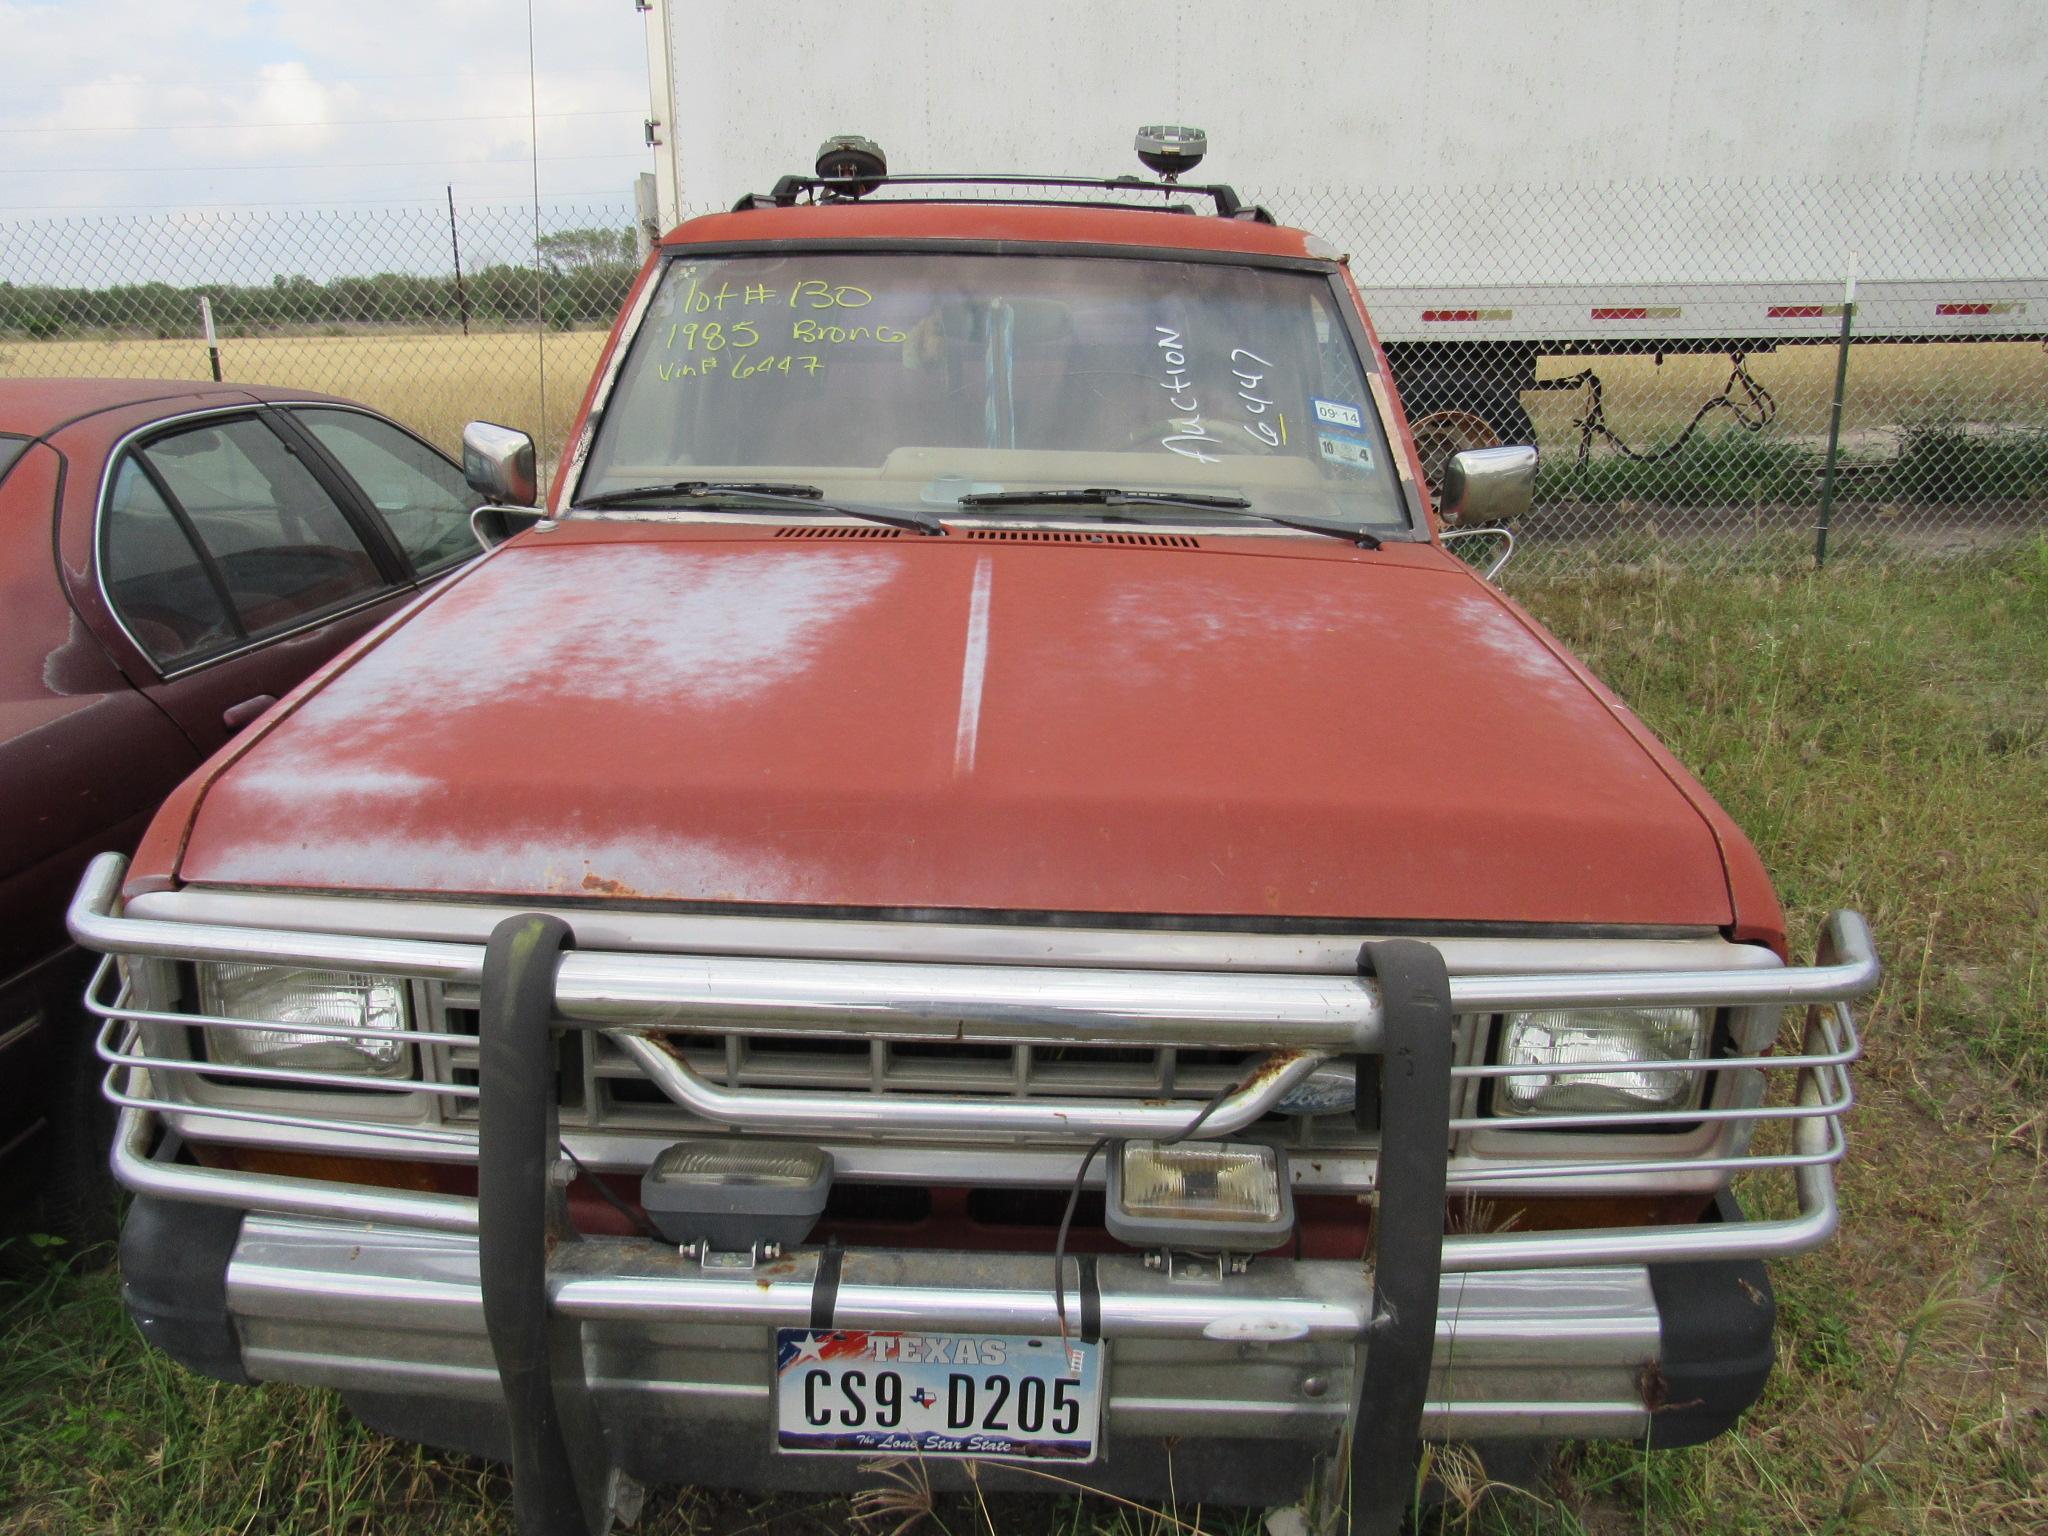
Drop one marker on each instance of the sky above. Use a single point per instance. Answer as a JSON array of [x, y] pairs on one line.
[[180, 107]]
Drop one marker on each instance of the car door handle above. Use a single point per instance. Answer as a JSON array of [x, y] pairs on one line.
[[235, 716]]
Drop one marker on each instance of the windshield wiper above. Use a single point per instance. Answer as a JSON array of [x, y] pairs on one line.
[[1106, 496], [1102, 496], [743, 495]]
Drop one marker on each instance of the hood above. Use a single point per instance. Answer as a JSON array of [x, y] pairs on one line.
[[1257, 728]]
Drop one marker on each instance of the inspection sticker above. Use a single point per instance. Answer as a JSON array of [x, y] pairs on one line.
[[1342, 448], [1338, 414]]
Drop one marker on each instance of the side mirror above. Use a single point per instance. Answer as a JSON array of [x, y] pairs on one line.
[[1487, 485], [499, 462]]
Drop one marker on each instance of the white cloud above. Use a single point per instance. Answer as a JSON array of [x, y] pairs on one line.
[[146, 104]]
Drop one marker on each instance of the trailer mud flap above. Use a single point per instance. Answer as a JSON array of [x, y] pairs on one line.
[[560, 1470], [1412, 1110]]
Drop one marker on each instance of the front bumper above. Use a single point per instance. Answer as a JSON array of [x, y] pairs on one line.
[[678, 1359], [492, 1325]]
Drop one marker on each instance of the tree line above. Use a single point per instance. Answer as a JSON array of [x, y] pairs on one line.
[[581, 280]]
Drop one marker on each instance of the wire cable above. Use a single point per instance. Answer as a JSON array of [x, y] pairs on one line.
[[336, 122], [1059, 1250], [639, 1219]]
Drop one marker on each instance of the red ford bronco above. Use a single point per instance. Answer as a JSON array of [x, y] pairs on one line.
[[976, 885]]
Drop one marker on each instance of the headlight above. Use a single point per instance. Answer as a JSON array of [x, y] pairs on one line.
[[1555, 1038], [311, 1001]]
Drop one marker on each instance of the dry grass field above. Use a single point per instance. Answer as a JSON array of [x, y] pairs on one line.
[[1882, 733], [436, 382], [433, 382]]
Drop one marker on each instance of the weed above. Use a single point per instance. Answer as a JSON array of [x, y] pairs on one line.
[[1876, 732]]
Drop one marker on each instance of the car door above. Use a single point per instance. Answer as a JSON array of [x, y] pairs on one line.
[[413, 490], [236, 560]]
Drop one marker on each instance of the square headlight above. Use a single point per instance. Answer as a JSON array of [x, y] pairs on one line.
[[289, 997], [1580, 1037]]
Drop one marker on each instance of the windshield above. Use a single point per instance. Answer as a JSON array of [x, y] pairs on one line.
[[915, 379]]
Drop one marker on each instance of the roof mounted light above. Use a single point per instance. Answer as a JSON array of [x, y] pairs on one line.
[[857, 163], [1171, 150]]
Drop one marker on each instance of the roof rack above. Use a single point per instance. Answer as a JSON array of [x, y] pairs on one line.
[[791, 191]]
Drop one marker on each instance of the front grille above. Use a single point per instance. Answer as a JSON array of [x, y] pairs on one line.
[[602, 1090]]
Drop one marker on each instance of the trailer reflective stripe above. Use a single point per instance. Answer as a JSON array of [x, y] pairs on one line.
[[1431, 316], [1802, 311], [1637, 312], [1976, 308]]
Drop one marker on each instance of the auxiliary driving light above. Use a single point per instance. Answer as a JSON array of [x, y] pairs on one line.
[[1200, 1194], [733, 1193]]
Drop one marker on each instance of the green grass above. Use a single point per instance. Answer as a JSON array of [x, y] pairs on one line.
[[1932, 464], [1882, 734], [1714, 469]]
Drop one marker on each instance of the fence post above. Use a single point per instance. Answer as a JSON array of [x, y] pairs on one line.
[[1827, 473], [212, 341], [455, 246]]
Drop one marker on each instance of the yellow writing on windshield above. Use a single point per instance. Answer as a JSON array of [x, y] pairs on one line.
[[793, 365], [712, 335], [813, 331], [817, 294]]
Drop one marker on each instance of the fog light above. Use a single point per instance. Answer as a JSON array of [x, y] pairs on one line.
[[731, 1194], [1200, 1194]]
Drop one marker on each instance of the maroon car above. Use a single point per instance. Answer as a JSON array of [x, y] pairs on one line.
[[173, 556]]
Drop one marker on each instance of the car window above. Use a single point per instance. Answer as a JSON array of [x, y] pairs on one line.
[[283, 547], [155, 579], [422, 497]]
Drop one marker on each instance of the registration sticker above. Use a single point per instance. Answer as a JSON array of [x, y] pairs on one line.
[[1343, 449], [937, 1394], [1338, 414]]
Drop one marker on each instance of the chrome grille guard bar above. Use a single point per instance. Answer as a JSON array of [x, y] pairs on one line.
[[993, 1003], [1298, 1019]]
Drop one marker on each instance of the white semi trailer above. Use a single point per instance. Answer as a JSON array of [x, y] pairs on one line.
[[1511, 179]]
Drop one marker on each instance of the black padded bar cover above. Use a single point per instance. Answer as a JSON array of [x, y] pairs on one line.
[[517, 1145], [1414, 1079]]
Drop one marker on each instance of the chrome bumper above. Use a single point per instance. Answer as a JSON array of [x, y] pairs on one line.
[[386, 1310], [594, 1350]]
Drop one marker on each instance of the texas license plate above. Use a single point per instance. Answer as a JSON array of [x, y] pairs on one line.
[[937, 1394]]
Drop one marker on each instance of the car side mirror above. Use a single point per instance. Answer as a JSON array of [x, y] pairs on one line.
[[499, 462], [1487, 485]]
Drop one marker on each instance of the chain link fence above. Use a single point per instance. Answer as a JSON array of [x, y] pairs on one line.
[[435, 315], [1673, 349]]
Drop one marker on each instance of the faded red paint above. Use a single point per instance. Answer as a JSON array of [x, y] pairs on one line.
[[700, 713], [1253, 728]]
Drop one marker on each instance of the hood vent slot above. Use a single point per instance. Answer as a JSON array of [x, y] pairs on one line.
[[1077, 536], [820, 531]]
